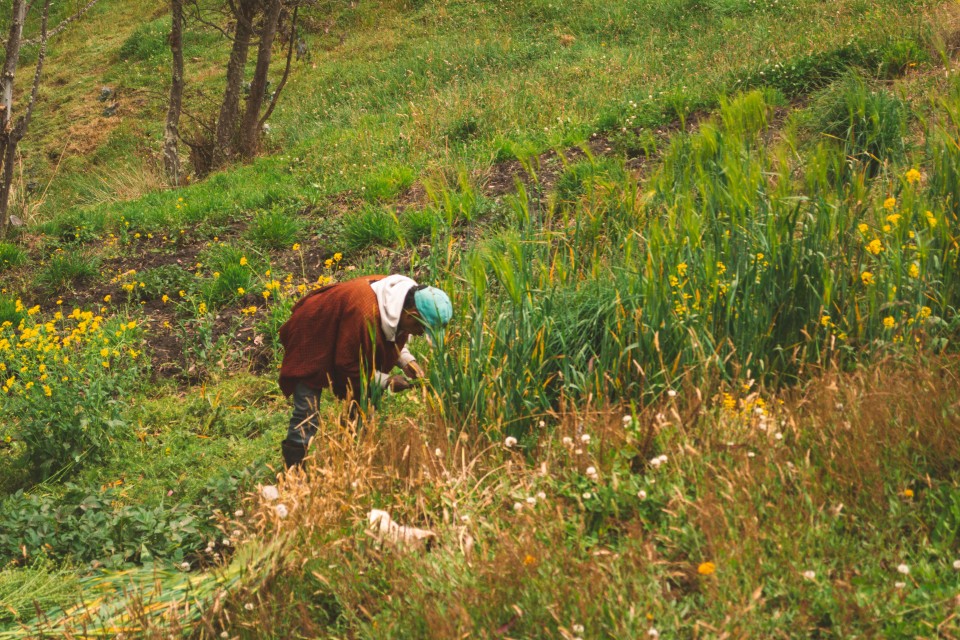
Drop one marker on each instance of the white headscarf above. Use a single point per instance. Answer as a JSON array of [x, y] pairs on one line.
[[391, 292]]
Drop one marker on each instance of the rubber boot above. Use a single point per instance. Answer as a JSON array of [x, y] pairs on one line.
[[293, 453]]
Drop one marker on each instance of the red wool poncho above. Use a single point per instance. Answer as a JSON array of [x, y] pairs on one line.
[[327, 340]]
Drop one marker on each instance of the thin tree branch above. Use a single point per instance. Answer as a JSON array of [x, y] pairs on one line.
[[24, 121], [286, 70], [57, 30]]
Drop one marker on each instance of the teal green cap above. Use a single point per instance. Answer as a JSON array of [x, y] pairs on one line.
[[434, 307]]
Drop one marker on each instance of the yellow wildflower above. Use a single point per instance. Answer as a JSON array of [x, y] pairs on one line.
[[682, 269], [912, 176], [913, 270], [908, 493], [296, 246], [243, 261], [889, 203], [925, 312], [707, 568], [867, 278], [889, 322], [875, 246]]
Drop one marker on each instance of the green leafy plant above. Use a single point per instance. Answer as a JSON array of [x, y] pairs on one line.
[[68, 269], [371, 226], [11, 256]]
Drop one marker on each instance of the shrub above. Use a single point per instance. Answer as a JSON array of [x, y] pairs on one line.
[[64, 386], [274, 229], [66, 270], [370, 227]]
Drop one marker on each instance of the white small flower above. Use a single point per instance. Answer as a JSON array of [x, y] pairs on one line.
[[531, 500], [591, 471], [809, 575], [751, 454], [653, 633], [758, 411], [567, 441], [517, 506], [238, 512], [627, 419], [778, 435], [281, 510], [464, 518], [224, 634], [587, 495], [672, 393], [585, 438], [899, 585], [437, 452], [577, 628], [248, 606], [904, 569], [956, 565], [185, 566], [510, 441], [270, 492], [762, 425], [542, 424], [577, 451], [642, 494]]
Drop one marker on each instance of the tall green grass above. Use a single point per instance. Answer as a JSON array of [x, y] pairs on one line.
[[737, 261]]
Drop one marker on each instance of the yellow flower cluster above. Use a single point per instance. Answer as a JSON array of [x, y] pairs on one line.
[[36, 356]]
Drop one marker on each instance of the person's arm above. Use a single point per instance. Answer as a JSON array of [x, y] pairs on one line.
[[408, 364]]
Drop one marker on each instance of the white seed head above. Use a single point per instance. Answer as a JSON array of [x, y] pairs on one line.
[[956, 565], [567, 441], [281, 510], [531, 500], [270, 492], [653, 633], [517, 506], [238, 512], [585, 438], [591, 471], [541, 495], [510, 441], [642, 494], [904, 569], [437, 452], [185, 566], [627, 419], [587, 495], [809, 575], [577, 628], [248, 606], [899, 585], [672, 393]]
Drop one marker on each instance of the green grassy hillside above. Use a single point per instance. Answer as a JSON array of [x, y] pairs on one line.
[[701, 379]]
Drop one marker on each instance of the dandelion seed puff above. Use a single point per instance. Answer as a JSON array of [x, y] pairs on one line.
[[653, 633], [238, 512], [577, 451], [904, 569], [956, 565], [585, 438], [642, 494], [542, 424], [517, 506], [248, 606], [464, 518], [587, 495], [270, 492], [591, 471], [509, 442], [809, 575], [899, 585], [627, 419], [531, 500], [577, 628], [185, 566], [672, 393], [567, 441], [751, 454], [224, 634], [778, 436], [437, 452], [663, 459], [655, 462], [281, 510], [541, 495]]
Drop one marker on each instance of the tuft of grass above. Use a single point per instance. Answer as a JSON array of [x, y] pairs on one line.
[[274, 229], [66, 270], [371, 226], [11, 256], [420, 224], [386, 184], [868, 122]]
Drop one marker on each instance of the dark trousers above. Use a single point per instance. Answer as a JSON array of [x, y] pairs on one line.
[[305, 420]]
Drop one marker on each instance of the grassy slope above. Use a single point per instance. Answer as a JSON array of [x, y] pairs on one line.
[[507, 72]]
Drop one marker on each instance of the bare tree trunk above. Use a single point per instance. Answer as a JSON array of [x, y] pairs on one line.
[[244, 11], [7, 143], [171, 161], [250, 127]]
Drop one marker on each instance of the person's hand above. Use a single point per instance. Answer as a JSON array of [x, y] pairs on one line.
[[399, 383], [413, 370]]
